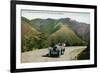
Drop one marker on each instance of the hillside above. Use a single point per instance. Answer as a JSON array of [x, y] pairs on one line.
[[65, 34], [81, 29], [28, 35], [42, 33], [27, 29], [46, 25]]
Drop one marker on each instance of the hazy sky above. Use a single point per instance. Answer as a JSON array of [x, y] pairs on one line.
[[78, 16]]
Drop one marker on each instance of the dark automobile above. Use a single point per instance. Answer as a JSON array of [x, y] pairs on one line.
[[56, 51]]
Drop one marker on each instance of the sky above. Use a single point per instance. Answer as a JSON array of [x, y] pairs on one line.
[[78, 16]]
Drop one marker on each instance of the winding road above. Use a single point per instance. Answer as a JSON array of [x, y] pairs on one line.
[[40, 55]]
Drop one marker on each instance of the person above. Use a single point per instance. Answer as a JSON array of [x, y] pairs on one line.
[[62, 48], [50, 48]]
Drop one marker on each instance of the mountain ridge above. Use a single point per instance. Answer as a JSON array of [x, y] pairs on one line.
[[42, 34]]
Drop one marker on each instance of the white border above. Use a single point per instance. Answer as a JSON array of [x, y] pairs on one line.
[[20, 65]]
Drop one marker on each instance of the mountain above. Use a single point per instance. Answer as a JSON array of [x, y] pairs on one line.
[[46, 25], [42, 33], [26, 28], [65, 34], [28, 35], [80, 28]]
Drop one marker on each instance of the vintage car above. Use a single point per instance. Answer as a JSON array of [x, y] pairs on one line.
[[56, 51]]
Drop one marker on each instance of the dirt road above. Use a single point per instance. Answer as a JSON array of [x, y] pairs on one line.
[[38, 55]]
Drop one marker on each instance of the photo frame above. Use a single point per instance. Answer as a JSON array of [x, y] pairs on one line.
[[35, 20]]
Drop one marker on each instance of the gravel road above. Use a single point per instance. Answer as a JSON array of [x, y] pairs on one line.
[[39, 55]]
